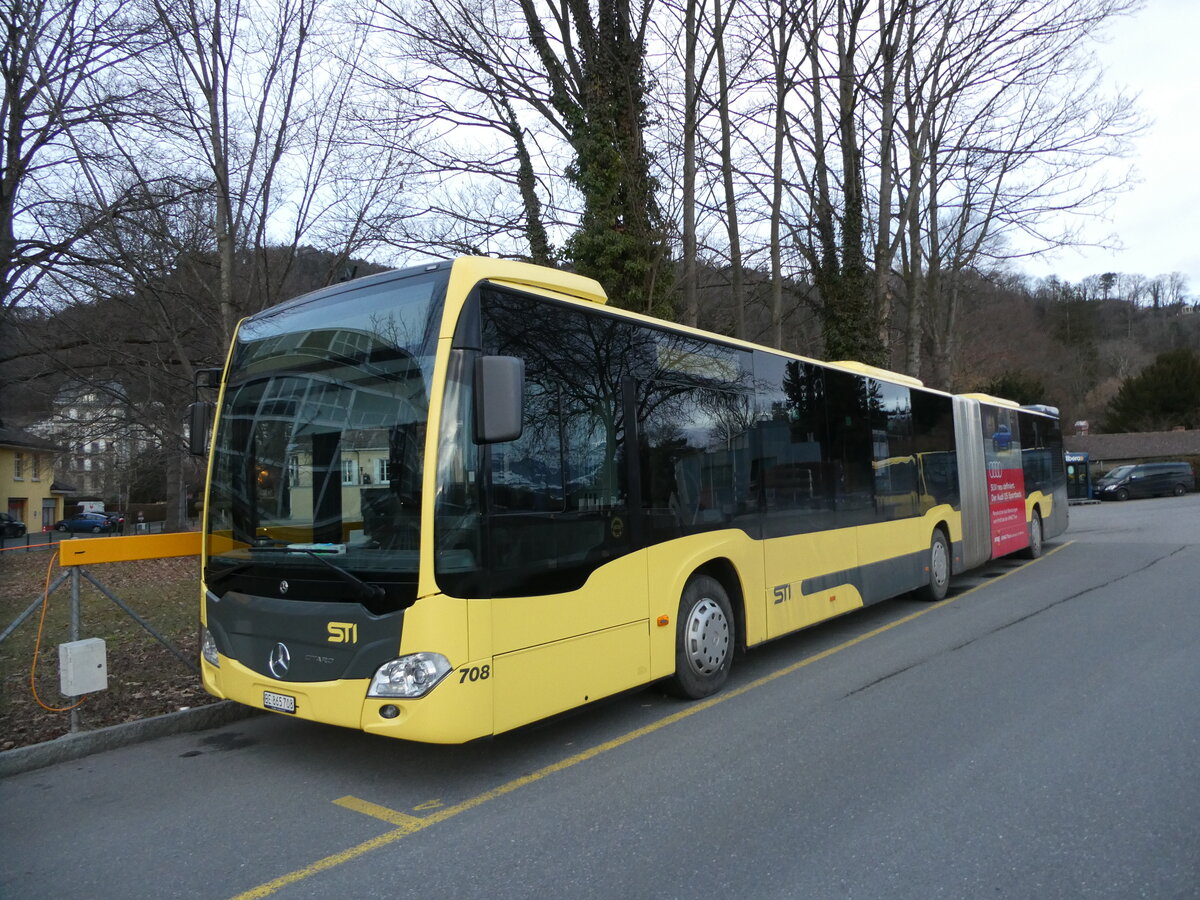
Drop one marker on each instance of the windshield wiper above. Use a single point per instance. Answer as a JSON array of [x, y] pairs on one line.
[[366, 591], [227, 572]]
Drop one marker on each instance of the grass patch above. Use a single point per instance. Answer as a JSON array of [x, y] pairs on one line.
[[144, 678]]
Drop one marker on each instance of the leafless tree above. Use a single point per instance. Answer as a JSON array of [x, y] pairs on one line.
[[1011, 134], [1176, 287], [255, 143], [584, 84], [64, 73], [267, 108], [490, 135]]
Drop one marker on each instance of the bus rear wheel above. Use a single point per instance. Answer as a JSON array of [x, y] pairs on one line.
[[704, 639], [939, 569], [1034, 550]]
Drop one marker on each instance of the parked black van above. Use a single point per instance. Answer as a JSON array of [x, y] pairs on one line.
[[1146, 480]]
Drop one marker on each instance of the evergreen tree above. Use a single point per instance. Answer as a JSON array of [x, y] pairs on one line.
[[1015, 386], [1165, 395]]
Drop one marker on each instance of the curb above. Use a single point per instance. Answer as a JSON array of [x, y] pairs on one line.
[[85, 743]]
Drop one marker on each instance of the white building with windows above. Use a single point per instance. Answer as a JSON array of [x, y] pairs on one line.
[[102, 443]]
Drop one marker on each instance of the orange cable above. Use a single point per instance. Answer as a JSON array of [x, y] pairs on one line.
[[38, 644], [28, 546]]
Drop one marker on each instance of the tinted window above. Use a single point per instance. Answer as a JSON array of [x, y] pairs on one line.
[[851, 447], [934, 447], [835, 449], [1041, 453], [791, 473], [725, 439], [695, 473], [894, 466], [814, 464], [697, 416], [558, 500]]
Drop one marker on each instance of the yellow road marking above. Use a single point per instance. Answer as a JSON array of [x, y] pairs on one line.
[[391, 816], [413, 824]]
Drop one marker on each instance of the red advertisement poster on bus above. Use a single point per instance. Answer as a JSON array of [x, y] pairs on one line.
[[1005, 481]]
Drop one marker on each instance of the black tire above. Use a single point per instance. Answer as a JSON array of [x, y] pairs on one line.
[[62, 527], [704, 639], [1122, 494], [1179, 490], [939, 569], [1034, 550], [96, 529]]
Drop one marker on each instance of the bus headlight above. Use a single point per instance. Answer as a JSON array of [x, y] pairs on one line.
[[409, 676], [208, 648]]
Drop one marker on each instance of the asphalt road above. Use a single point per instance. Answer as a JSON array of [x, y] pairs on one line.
[[1036, 735]]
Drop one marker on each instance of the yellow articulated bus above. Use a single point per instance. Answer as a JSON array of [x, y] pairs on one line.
[[451, 500]]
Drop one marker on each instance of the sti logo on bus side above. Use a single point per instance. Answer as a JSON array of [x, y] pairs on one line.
[[343, 633]]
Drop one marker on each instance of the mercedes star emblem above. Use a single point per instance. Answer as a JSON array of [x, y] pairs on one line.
[[279, 660], [283, 587]]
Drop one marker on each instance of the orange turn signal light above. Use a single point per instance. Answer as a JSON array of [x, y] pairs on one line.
[[664, 620]]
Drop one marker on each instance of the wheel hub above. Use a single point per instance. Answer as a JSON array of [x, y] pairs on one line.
[[939, 563], [707, 637]]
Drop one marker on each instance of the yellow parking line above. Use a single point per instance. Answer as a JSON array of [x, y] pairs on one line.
[[391, 816], [412, 824]]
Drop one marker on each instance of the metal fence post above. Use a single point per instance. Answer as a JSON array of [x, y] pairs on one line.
[[75, 632]]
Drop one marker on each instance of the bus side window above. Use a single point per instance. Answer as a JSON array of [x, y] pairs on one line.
[[933, 443], [555, 507], [696, 471]]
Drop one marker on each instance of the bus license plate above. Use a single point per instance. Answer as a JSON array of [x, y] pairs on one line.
[[279, 702]]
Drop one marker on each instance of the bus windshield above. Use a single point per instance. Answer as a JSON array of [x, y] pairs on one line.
[[317, 462]]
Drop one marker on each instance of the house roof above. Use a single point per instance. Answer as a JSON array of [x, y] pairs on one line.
[[1135, 445], [23, 440]]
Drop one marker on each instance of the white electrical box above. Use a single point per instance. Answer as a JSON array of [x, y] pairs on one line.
[[82, 667]]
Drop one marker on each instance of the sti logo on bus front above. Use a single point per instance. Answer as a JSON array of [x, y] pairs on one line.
[[343, 633]]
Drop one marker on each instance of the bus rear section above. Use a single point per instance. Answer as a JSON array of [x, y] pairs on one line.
[[1013, 477]]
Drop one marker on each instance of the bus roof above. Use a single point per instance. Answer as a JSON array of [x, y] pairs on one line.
[[994, 401], [520, 274], [878, 373]]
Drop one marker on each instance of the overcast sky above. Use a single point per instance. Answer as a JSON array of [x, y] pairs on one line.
[[1158, 220]]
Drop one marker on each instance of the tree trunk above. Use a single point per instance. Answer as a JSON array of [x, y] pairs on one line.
[[176, 518], [691, 301], [736, 282], [781, 91]]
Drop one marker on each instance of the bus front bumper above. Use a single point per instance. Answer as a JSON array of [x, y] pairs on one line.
[[455, 711]]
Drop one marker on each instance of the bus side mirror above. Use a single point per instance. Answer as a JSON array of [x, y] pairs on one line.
[[499, 392], [199, 425]]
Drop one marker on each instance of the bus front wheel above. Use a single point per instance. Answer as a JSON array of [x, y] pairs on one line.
[[704, 639], [939, 569]]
